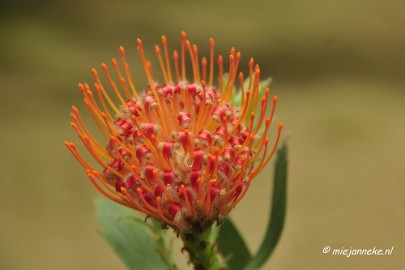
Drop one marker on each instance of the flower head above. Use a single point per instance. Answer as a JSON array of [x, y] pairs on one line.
[[181, 151]]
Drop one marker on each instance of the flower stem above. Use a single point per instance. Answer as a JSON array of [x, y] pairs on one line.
[[201, 249]]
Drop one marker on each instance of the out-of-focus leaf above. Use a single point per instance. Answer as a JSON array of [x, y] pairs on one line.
[[232, 246], [278, 211], [130, 239]]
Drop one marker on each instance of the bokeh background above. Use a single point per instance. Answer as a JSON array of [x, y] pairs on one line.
[[338, 68]]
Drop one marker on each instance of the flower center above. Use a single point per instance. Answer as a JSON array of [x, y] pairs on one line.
[[176, 157]]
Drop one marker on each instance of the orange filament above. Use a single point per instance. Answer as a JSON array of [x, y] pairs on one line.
[[232, 73], [169, 72], [146, 65], [189, 207], [94, 153], [127, 72], [196, 61], [100, 97], [136, 204], [251, 63], [92, 105], [204, 68], [260, 168], [107, 194], [72, 148], [106, 184], [193, 64], [94, 143], [221, 73], [263, 110], [212, 45], [242, 195], [143, 200], [202, 108], [255, 91], [115, 65], [81, 126], [162, 65], [242, 86], [95, 75], [89, 96], [207, 206], [183, 55], [160, 211], [176, 64], [95, 120], [266, 142], [246, 142], [200, 199], [241, 120], [113, 84], [107, 124]]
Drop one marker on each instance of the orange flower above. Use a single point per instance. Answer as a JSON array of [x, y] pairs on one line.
[[179, 151]]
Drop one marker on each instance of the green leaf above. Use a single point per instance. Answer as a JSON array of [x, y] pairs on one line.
[[278, 212], [236, 98], [131, 239], [232, 246]]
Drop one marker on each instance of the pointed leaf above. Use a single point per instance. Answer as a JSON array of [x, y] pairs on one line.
[[278, 211], [232, 246], [131, 240]]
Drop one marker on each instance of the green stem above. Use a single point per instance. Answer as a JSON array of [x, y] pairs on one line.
[[202, 251], [163, 249]]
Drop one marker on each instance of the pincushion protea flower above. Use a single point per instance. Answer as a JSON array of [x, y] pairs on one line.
[[180, 151]]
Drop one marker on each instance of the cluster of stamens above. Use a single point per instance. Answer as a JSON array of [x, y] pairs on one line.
[[180, 151]]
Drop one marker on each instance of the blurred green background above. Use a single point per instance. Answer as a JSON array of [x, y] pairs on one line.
[[338, 69]]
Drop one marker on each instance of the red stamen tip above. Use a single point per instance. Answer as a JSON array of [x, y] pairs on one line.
[[114, 62], [220, 60], [257, 71], [251, 62], [94, 72]]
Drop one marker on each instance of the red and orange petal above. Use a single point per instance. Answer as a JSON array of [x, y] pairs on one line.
[[178, 151]]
